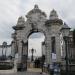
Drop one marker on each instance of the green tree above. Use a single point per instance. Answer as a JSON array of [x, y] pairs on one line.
[[74, 36]]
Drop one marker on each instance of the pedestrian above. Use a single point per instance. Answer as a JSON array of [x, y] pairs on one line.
[[51, 69]]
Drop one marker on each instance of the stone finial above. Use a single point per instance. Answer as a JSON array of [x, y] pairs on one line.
[[66, 26], [35, 10], [20, 24], [53, 14], [36, 6], [21, 20]]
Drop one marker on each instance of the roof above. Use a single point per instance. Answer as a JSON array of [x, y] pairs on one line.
[[65, 26]]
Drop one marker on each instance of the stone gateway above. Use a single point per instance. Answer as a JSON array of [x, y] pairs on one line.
[[37, 22]]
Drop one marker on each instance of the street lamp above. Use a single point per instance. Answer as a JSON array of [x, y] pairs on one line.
[[65, 32], [66, 50], [32, 51]]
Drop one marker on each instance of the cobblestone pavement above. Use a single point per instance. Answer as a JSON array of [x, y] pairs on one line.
[[25, 73]]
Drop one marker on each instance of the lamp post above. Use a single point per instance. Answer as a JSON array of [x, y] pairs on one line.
[[66, 51], [32, 51]]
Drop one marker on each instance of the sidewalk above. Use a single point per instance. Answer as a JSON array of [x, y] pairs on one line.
[[36, 70]]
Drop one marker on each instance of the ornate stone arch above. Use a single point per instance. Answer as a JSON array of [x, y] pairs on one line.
[[33, 31], [37, 22]]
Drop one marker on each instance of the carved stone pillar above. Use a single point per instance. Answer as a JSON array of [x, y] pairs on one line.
[[19, 51], [24, 54], [48, 52]]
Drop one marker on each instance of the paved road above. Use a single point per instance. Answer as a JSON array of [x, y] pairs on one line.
[[25, 73]]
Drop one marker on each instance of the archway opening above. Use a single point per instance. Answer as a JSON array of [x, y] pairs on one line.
[[36, 49]]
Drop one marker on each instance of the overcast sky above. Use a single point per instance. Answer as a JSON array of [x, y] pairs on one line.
[[36, 44], [10, 10]]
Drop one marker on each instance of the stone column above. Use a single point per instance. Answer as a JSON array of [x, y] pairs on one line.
[[48, 46], [48, 52], [58, 49], [25, 54], [13, 49], [19, 51]]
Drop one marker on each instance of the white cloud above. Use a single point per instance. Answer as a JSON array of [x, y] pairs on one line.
[[10, 10]]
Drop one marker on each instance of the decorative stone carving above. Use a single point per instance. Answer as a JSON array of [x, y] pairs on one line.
[[37, 22], [20, 24], [35, 10], [53, 15], [21, 21], [54, 19]]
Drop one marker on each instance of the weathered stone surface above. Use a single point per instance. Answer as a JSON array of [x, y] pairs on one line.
[[37, 22]]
